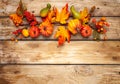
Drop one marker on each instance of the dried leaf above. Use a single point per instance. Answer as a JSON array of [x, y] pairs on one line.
[[92, 9], [21, 8], [62, 34], [63, 15]]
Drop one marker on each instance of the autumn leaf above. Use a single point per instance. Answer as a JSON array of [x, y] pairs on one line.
[[62, 34], [73, 25], [50, 17], [84, 15], [63, 15], [21, 8]]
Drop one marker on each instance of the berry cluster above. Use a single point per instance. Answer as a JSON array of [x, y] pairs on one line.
[[17, 32], [17, 20], [30, 18], [100, 25]]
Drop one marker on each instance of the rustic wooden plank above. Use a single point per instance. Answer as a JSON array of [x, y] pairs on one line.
[[72, 74], [7, 27], [1, 50], [76, 52], [105, 7]]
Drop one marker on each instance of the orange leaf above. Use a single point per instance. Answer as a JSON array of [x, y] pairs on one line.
[[63, 15], [84, 15], [51, 16], [62, 34]]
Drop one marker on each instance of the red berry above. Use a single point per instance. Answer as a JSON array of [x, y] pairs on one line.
[[30, 18]]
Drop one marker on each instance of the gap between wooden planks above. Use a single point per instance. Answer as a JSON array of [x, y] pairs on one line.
[[76, 52], [70, 74]]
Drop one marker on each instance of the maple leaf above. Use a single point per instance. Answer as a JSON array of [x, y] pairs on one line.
[[50, 17], [63, 15], [62, 34], [84, 15]]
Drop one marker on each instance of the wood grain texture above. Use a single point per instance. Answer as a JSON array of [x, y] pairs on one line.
[[1, 50], [7, 27], [105, 7], [47, 52], [72, 74]]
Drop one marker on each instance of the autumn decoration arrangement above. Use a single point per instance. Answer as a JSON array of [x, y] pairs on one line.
[[71, 23]]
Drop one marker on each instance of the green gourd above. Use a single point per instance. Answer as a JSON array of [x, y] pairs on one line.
[[44, 11], [75, 13]]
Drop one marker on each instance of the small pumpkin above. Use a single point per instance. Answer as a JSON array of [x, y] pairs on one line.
[[25, 32], [46, 28], [86, 31], [34, 32]]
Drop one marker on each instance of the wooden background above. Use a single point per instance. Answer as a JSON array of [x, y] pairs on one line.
[[97, 62]]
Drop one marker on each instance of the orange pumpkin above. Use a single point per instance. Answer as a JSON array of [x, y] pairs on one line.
[[34, 32], [86, 31], [46, 28]]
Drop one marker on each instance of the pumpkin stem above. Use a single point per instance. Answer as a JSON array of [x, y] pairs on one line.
[[45, 28], [86, 31]]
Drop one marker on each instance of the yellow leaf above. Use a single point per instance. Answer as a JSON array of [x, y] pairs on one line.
[[63, 15], [50, 17], [62, 34], [84, 15]]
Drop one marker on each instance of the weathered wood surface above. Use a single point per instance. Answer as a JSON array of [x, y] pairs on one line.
[[70, 74], [7, 27], [47, 52], [105, 7]]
